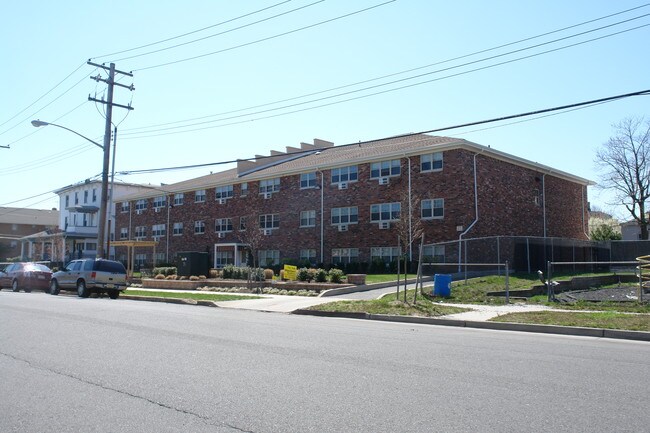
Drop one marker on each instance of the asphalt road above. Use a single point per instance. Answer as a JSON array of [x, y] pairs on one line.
[[98, 365]]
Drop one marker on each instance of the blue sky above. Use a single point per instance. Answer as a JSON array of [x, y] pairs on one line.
[[310, 47]]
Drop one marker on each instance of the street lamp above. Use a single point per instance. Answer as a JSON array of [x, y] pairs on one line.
[[101, 229]]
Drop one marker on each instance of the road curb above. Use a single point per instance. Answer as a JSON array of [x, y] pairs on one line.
[[201, 302], [503, 326]]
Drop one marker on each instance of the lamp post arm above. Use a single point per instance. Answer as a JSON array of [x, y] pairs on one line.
[[40, 123]]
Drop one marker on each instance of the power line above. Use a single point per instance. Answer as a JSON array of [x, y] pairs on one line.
[[191, 32], [392, 74], [267, 38], [220, 33], [370, 87], [498, 119]]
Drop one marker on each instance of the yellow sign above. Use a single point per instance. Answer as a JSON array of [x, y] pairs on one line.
[[290, 272]]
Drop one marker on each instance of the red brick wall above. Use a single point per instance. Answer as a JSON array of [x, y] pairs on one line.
[[506, 207]]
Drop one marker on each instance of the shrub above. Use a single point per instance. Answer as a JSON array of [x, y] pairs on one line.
[[183, 277], [194, 278], [202, 277], [336, 275], [268, 274], [169, 277], [159, 276], [214, 273], [320, 276], [305, 274], [164, 270], [281, 274]]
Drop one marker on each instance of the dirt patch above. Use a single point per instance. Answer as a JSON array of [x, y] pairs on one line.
[[617, 294]]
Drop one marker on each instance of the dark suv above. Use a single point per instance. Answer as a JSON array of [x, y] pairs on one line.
[[90, 275]]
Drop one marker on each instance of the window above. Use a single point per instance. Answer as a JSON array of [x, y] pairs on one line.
[[384, 212], [270, 221], [140, 232], [125, 207], [431, 162], [434, 208], [242, 224], [140, 259], [345, 174], [269, 257], [199, 227], [434, 253], [85, 196], [67, 200], [76, 197], [269, 185], [158, 230], [308, 218], [223, 192], [140, 205], [177, 229], [178, 199], [94, 195], [308, 255], [160, 257], [199, 196], [308, 180], [91, 246], [345, 255], [223, 258], [243, 189], [124, 233], [385, 254], [345, 215], [223, 225], [385, 168], [160, 201]]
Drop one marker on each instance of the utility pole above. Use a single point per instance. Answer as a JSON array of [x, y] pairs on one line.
[[101, 226]]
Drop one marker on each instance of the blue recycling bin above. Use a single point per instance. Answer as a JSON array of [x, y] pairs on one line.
[[442, 285]]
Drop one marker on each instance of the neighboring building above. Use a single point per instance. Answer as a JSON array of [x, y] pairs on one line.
[[630, 231], [348, 203], [16, 223], [79, 217]]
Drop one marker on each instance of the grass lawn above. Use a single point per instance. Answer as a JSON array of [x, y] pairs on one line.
[[606, 320], [384, 278], [389, 305], [189, 295]]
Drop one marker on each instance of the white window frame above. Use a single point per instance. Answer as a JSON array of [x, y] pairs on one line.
[[159, 202], [223, 258], [125, 207], [243, 189], [140, 232], [308, 218], [124, 233], [179, 198], [433, 205], [385, 254], [309, 255], [378, 211], [141, 204], [346, 174], [431, 162], [435, 252], [387, 168], [270, 185], [199, 196], [225, 191], [222, 225], [199, 227], [345, 255], [158, 230], [344, 215], [269, 221], [177, 229], [308, 180], [264, 256]]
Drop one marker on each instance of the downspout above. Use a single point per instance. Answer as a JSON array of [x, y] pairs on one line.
[[585, 228], [460, 237], [544, 200], [322, 223]]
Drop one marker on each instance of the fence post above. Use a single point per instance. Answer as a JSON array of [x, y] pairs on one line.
[[507, 283], [548, 281]]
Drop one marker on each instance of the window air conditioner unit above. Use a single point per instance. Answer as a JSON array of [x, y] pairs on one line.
[[157, 209], [343, 185], [221, 201], [384, 225], [343, 228], [221, 235], [267, 195], [267, 232], [384, 181], [138, 212]]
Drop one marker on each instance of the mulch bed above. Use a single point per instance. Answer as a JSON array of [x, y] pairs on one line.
[[619, 294]]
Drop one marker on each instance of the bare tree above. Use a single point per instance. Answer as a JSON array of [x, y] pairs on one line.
[[408, 229], [625, 167]]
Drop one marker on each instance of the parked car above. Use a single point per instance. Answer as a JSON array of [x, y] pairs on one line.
[[90, 276], [26, 276]]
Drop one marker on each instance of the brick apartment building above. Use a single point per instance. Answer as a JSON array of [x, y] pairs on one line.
[[343, 204]]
